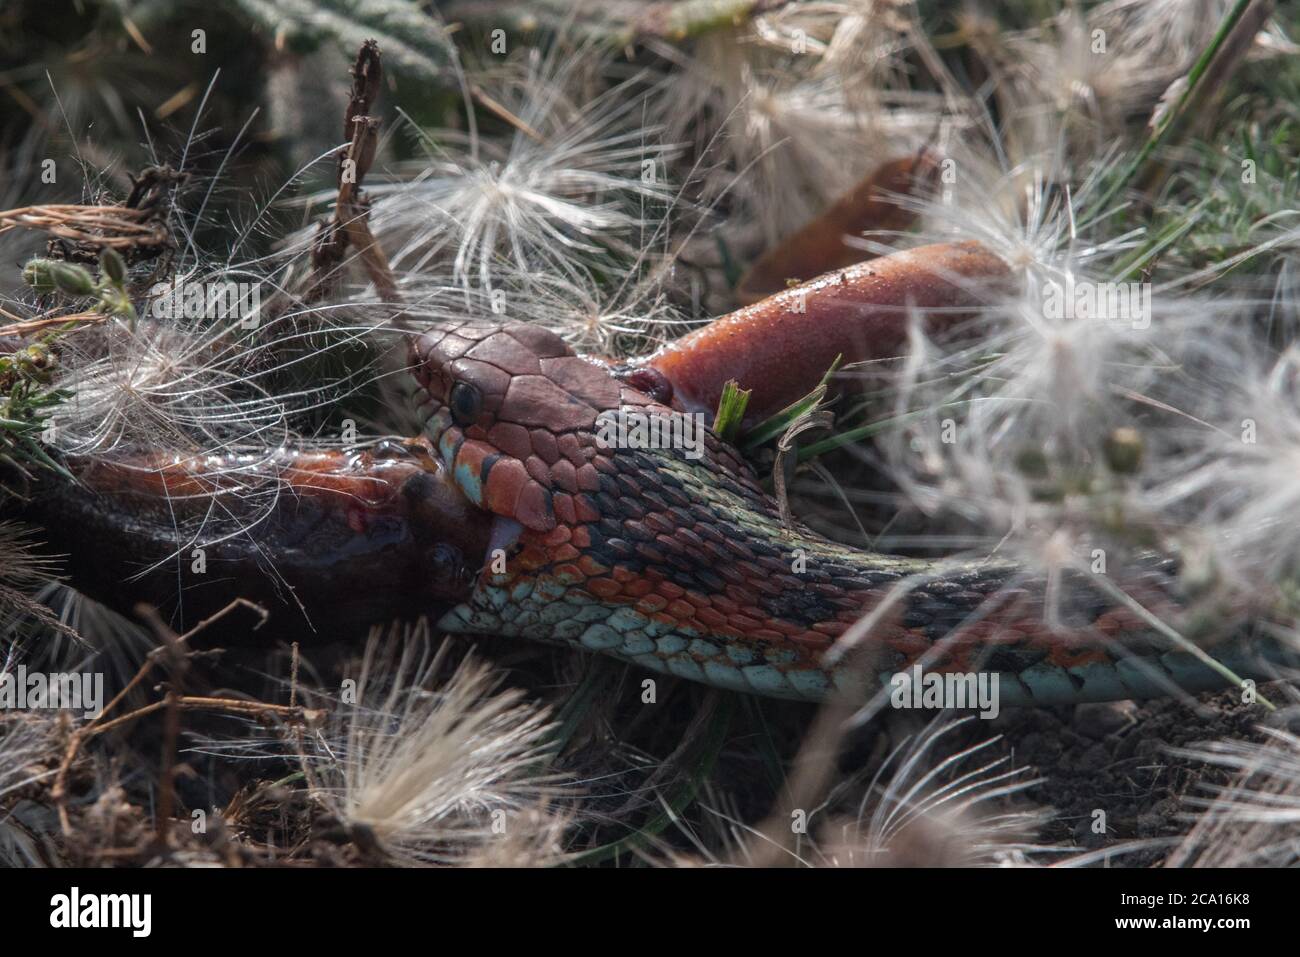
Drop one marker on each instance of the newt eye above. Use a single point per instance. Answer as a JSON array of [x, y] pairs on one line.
[[465, 402]]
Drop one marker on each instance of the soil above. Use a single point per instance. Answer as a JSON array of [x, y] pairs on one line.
[[1117, 757]]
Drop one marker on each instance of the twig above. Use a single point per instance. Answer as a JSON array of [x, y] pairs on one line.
[[35, 325], [113, 227], [499, 110], [293, 677], [97, 725], [350, 226], [813, 418], [1224, 51], [172, 724], [250, 709]]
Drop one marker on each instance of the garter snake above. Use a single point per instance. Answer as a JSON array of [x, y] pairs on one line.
[[679, 562]]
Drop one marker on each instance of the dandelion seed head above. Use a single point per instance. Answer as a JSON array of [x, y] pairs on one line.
[[934, 801], [784, 133], [425, 769], [1172, 33], [27, 742], [1035, 212], [1230, 481], [25, 578], [567, 191]]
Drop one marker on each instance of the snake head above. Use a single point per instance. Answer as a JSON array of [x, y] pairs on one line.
[[511, 411]]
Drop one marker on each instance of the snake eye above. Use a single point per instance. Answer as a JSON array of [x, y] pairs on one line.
[[648, 380], [465, 402]]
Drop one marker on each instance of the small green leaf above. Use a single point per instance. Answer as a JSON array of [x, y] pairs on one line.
[[776, 425], [731, 410]]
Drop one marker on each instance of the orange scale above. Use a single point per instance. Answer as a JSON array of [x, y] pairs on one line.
[[725, 605], [472, 454], [768, 634], [909, 643], [1074, 657], [588, 478], [1132, 619], [533, 509], [622, 573], [569, 572], [557, 536], [604, 588], [532, 556], [832, 628], [562, 503], [564, 553], [506, 482], [670, 590], [581, 537], [665, 619], [537, 470], [564, 475], [639, 587], [651, 604], [1108, 625], [590, 566], [698, 599], [681, 609], [711, 617], [747, 623], [787, 628], [811, 640]]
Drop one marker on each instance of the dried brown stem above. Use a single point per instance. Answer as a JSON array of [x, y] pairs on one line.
[[105, 226], [36, 325], [172, 727], [350, 226], [98, 725]]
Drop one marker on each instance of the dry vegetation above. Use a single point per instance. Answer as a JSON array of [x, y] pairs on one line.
[[610, 171]]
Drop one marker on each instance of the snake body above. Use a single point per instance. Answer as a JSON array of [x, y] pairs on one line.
[[679, 561]]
